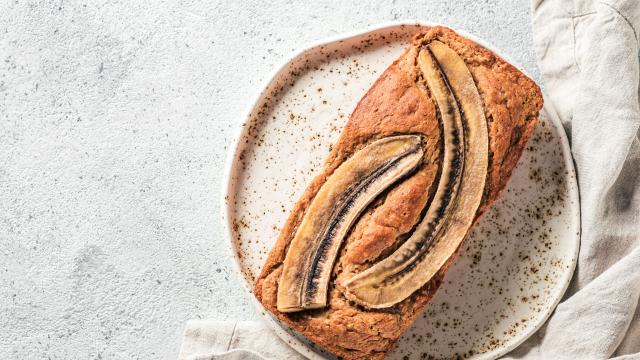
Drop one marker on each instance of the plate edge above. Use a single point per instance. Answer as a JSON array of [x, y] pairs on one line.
[[227, 186]]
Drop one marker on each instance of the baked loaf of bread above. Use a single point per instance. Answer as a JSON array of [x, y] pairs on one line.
[[432, 139]]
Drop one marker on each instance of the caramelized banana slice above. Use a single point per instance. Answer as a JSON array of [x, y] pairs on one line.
[[452, 211], [338, 203]]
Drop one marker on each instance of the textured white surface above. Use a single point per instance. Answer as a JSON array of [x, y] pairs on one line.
[[114, 124]]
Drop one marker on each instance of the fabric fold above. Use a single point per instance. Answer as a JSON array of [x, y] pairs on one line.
[[233, 340], [588, 56]]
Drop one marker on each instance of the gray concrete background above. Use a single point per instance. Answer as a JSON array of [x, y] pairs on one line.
[[115, 118]]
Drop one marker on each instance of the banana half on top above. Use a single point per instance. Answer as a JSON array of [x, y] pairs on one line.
[[426, 151]]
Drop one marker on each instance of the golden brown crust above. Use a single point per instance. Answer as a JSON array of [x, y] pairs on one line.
[[396, 104]]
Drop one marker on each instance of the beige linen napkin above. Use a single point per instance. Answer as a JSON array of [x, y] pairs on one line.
[[231, 340], [588, 55]]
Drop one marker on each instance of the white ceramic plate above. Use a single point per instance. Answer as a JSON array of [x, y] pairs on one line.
[[512, 271]]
